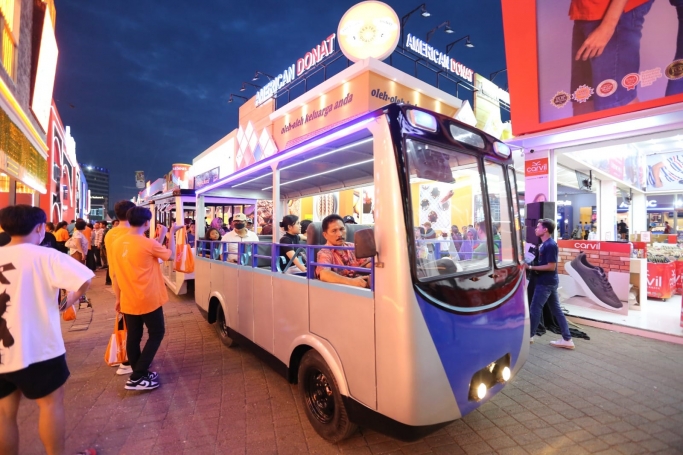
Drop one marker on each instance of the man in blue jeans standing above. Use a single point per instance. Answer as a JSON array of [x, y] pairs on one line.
[[546, 284]]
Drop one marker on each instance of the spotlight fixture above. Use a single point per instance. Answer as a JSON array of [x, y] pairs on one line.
[[230, 100], [423, 12], [244, 86], [493, 75], [446, 27], [255, 78], [468, 43]]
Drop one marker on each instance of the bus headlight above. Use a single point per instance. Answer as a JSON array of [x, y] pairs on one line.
[[481, 391], [506, 373], [492, 374]]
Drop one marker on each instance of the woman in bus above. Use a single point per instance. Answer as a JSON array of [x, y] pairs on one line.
[[468, 245], [292, 228]]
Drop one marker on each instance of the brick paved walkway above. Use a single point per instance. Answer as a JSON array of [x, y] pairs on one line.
[[615, 394]]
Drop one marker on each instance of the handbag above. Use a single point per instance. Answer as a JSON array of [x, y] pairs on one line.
[[70, 313], [116, 349], [184, 259]]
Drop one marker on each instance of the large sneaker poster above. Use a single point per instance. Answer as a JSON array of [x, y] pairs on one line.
[[589, 63], [595, 275]]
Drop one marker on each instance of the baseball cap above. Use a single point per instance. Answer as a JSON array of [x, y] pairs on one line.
[[239, 217], [348, 219]]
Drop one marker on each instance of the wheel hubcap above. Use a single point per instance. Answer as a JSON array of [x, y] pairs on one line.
[[319, 396], [221, 321]]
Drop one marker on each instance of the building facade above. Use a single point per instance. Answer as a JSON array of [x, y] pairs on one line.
[[28, 60], [98, 186]]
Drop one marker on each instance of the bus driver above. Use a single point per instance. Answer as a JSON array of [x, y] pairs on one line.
[[334, 232]]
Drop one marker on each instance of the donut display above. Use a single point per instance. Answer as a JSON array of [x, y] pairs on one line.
[[325, 205], [435, 205]]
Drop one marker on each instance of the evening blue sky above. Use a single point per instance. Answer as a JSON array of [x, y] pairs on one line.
[[145, 84]]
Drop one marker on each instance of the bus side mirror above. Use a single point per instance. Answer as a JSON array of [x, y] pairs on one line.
[[364, 240]]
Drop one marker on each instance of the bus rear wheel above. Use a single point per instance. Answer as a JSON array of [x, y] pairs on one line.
[[321, 399], [222, 328]]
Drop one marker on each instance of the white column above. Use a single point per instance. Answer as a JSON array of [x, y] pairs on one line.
[[607, 210], [638, 211], [200, 214], [278, 206]]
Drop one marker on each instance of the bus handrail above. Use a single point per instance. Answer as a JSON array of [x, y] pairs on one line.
[[247, 256]]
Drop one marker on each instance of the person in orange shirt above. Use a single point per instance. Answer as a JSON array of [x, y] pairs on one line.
[[121, 227], [605, 50], [90, 257], [140, 293], [62, 235]]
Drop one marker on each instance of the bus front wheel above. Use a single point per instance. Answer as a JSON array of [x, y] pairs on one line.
[[222, 328], [321, 399]]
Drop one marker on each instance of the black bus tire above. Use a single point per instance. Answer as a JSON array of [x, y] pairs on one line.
[[321, 399], [221, 326]]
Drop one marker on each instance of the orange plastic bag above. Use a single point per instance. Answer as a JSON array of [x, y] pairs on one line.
[[116, 349], [70, 313], [184, 259]]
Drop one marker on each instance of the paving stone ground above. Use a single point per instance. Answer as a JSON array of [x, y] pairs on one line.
[[615, 394]]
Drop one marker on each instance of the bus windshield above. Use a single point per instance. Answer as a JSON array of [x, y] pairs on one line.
[[453, 217]]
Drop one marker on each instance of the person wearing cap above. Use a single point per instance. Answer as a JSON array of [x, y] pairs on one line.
[[240, 234], [349, 219]]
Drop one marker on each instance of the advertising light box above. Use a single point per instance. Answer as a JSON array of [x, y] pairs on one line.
[[564, 70]]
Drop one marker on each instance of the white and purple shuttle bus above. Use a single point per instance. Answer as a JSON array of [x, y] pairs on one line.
[[437, 333]]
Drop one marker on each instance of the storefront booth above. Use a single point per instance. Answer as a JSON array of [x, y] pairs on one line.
[[622, 137]]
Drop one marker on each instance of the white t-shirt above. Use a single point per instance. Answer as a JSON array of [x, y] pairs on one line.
[[232, 237], [79, 236], [30, 279]]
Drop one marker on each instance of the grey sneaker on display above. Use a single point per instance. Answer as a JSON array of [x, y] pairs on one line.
[[593, 281]]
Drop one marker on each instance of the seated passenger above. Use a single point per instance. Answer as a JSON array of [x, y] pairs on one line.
[[240, 234], [482, 250], [334, 232], [292, 227], [215, 249], [304, 228], [469, 243]]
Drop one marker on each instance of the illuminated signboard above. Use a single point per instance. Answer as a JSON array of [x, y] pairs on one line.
[[439, 58], [308, 61], [205, 178], [45, 75], [369, 29]]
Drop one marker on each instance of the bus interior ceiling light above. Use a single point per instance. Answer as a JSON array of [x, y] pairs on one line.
[[323, 173], [422, 120], [285, 155], [339, 149]]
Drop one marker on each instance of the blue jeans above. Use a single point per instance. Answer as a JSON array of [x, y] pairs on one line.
[[620, 57], [547, 294]]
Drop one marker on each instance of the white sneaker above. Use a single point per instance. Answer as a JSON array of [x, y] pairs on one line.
[[562, 343], [531, 340], [124, 369]]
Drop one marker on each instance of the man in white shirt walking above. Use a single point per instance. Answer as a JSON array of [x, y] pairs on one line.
[[32, 353]]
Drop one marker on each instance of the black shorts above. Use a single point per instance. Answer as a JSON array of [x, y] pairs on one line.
[[37, 380]]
